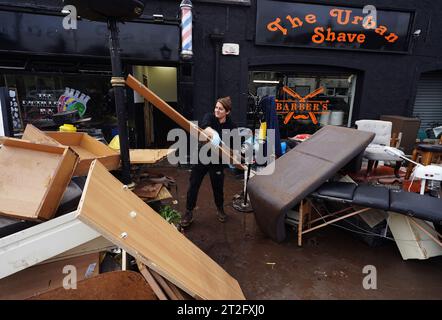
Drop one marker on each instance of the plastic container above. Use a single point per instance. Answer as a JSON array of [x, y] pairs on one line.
[[337, 118], [67, 128], [325, 118]]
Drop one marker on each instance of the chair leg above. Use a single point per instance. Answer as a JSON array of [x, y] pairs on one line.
[[410, 165], [427, 157], [300, 222], [369, 167]]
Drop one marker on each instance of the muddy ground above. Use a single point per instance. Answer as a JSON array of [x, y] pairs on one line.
[[328, 266]]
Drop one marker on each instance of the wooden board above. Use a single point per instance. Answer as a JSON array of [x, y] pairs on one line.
[[124, 219], [162, 195], [42, 278], [34, 178], [33, 134], [411, 241], [178, 118], [88, 149], [34, 245], [148, 156], [99, 244], [149, 191]]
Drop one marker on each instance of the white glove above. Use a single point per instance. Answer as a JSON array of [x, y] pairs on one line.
[[216, 140]]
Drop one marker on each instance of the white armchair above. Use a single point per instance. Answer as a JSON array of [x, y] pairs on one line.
[[375, 150]]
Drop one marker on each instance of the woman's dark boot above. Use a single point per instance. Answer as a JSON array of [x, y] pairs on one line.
[[222, 217], [187, 219]]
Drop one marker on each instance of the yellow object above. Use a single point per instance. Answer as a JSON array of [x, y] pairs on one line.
[[115, 143], [262, 131], [68, 128]]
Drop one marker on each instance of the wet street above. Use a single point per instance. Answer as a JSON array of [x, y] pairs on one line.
[[328, 266]]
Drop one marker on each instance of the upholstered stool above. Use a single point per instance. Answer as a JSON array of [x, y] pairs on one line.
[[426, 151]]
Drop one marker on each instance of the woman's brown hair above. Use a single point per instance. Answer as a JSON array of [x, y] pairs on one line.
[[226, 102]]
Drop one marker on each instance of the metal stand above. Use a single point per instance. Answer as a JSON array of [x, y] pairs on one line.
[[245, 205], [118, 84]]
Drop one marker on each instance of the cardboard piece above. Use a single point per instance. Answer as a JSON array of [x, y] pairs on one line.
[[124, 219], [116, 285], [34, 178]]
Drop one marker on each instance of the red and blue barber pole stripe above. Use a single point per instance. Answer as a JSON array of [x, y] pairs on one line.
[[186, 29]]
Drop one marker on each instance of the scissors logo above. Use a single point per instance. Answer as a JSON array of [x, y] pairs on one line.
[[301, 104]]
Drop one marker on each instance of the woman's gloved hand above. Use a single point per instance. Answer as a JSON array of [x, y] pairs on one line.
[[216, 140]]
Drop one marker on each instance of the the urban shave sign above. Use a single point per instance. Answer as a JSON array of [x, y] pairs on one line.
[[325, 26]]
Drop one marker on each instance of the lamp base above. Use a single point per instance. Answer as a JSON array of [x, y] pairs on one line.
[[239, 205]]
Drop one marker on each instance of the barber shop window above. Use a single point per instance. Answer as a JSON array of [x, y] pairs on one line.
[[306, 102]]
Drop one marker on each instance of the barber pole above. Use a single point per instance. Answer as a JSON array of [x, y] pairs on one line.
[[186, 29]]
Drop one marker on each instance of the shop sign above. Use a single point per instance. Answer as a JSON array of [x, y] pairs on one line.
[[240, 2], [45, 34], [325, 26], [301, 108]]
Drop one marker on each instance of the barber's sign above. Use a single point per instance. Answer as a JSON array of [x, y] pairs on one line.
[[301, 108], [325, 26]]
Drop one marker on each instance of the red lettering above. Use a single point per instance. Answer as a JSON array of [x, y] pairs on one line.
[[296, 22], [340, 17], [331, 36], [361, 38], [381, 30], [357, 19], [310, 18], [318, 37], [392, 38]]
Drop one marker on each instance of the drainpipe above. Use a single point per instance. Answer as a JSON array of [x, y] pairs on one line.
[[216, 38]]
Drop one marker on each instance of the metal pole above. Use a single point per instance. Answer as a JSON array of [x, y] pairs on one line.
[[255, 111], [118, 84]]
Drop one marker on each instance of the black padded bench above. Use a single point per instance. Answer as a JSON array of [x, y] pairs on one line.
[[411, 204]]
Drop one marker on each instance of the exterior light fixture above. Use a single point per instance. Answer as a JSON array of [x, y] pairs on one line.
[[265, 81]]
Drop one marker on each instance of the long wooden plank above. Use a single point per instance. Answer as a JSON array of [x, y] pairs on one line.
[[178, 118], [124, 219], [164, 285], [151, 281]]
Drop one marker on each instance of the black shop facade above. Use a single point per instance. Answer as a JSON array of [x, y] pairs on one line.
[[356, 64], [358, 60], [43, 63]]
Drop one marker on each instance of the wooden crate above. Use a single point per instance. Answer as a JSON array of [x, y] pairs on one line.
[[33, 178], [87, 149]]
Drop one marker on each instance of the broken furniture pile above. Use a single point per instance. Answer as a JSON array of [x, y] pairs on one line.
[[44, 246], [300, 178]]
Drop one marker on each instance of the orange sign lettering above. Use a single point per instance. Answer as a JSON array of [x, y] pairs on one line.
[[323, 34], [308, 108]]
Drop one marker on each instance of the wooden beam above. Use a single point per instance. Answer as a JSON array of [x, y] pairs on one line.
[[178, 118], [151, 281], [164, 285]]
